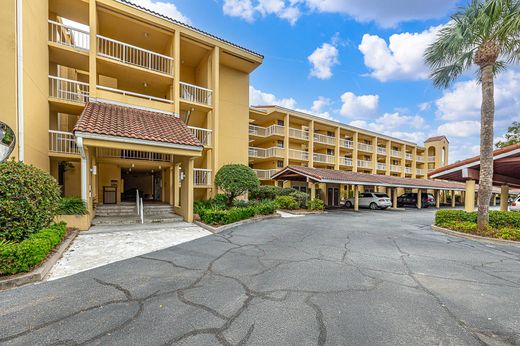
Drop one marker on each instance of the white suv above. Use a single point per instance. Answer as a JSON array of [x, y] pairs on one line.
[[515, 206], [372, 200]]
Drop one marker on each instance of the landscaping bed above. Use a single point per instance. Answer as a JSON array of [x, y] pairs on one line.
[[502, 225]]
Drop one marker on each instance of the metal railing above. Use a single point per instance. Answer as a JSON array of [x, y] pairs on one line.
[[408, 170], [62, 142], [266, 131], [381, 150], [324, 139], [395, 168], [130, 93], [346, 161], [68, 89], [203, 135], [266, 152], [265, 174], [364, 164], [431, 158], [68, 36], [408, 156], [298, 155], [194, 93], [324, 158], [297, 133], [381, 166], [346, 143], [420, 158], [132, 154], [201, 177], [419, 171], [365, 147], [132, 55], [395, 153]]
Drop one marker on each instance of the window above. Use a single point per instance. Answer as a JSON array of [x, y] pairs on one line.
[[280, 122], [330, 134], [330, 152], [279, 143], [279, 164]]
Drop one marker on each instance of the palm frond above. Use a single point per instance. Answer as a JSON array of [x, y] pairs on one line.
[[444, 75]]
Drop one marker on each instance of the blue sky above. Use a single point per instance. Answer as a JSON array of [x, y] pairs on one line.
[[355, 61]]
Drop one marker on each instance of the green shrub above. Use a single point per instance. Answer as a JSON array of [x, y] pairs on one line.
[[287, 202], [300, 197], [235, 180], [21, 257], [28, 200], [316, 204], [72, 206], [269, 192], [266, 208], [218, 202], [219, 216]]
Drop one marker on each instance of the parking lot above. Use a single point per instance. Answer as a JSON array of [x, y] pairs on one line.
[[365, 278]]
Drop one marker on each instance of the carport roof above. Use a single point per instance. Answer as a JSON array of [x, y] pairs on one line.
[[323, 175]]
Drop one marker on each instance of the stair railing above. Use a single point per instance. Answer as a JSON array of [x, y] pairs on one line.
[[141, 214]]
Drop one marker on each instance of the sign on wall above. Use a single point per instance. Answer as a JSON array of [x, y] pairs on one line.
[[7, 141]]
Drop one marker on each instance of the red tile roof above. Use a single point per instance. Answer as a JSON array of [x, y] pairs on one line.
[[436, 138], [114, 120]]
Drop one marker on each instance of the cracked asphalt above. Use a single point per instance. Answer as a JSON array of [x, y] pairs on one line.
[[341, 278]]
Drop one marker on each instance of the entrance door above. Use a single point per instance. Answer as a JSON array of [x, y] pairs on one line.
[[333, 197]]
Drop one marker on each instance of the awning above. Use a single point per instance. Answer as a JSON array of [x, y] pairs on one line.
[[506, 168]]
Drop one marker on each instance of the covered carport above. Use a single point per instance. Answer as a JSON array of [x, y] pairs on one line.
[[506, 175], [315, 177]]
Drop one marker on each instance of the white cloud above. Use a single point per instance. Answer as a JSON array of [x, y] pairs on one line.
[[163, 7], [425, 106], [260, 98], [249, 9], [322, 60], [320, 103], [406, 127], [401, 58], [356, 107], [465, 128]]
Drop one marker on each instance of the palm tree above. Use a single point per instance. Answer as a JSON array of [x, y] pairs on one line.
[[485, 34]]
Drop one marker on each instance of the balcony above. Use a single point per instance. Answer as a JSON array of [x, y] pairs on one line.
[[62, 142], [365, 147], [203, 135], [134, 56], [419, 171], [408, 170], [68, 36], [132, 155], [395, 168], [408, 156], [196, 94], [346, 161], [298, 155], [364, 164], [265, 153], [130, 93], [431, 158], [324, 139], [381, 150], [68, 90], [346, 143], [396, 153], [324, 158], [298, 134], [265, 174], [202, 177], [260, 131], [420, 158], [381, 166]]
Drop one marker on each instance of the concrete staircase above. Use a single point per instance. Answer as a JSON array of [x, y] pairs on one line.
[[126, 214]]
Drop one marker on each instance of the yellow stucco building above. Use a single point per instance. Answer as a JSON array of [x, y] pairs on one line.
[[111, 98]]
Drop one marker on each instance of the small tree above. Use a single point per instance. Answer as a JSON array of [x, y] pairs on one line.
[[511, 137], [235, 180]]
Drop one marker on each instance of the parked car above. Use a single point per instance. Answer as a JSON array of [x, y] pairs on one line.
[[515, 205], [410, 198], [372, 200]]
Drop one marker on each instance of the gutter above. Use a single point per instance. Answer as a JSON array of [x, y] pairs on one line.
[[19, 81]]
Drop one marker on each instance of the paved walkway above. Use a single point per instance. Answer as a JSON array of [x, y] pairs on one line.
[[102, 245], [341, 278]]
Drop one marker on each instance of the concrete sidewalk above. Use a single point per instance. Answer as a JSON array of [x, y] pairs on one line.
[[102, 245]]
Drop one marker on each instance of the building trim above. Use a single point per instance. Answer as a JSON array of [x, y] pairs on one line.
[[123, 104], [19, 80]]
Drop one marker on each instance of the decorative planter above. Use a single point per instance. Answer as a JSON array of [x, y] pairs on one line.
[[80, 222]]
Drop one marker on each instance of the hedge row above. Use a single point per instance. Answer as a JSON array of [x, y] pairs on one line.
[[227, 216], [22, 256]]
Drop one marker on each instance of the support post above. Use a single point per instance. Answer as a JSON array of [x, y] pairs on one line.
[[419, 199], [356, 197], [438, 198], [469, 196], [313, 191], [494, 200], [504, 196], [453, 198], [394, 198]]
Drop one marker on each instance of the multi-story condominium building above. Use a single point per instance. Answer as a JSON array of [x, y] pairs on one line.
[[112, 98], [279, 137]]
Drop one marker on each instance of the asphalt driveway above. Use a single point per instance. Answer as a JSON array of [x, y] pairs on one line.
[[342, 278]]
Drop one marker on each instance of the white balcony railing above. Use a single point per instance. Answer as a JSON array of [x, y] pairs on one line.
[[419, 171], [408, 156], [297, 133], [132, 55], [265, 174], [346, 161], [365, 147], [68, 36], [130, 93], [298, 155], [408, 170], [68, 89], [346, 143], [324, 158], [381, 166], [431, 158], [132, 155], [395, 168], [266, 131], [197, 94], [62, 142], [324, 139], [420, 158], [395, 153], [266, 152], [364, 164], [381, 150], [203, 135], [202, 177]]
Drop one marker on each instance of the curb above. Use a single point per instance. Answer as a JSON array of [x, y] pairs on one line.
[[235, 224], [301, 212], [475, 237], [42, 270]]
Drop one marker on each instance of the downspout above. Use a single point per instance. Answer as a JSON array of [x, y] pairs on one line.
[[19, 84], [79, 143]]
